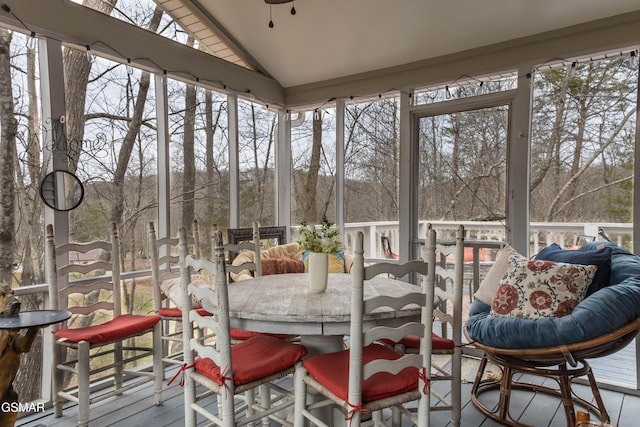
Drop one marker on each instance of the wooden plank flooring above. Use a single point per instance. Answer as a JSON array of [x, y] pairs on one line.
[[136, 408]]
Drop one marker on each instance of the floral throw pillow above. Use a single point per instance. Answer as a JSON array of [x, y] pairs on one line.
[[537, 288]]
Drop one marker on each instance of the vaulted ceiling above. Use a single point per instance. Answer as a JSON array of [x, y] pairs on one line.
[[331, 39]]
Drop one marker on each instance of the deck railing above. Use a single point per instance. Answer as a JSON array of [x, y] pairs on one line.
[[541, 233]]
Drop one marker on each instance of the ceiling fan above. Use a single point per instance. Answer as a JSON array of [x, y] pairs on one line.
[[272, 2]]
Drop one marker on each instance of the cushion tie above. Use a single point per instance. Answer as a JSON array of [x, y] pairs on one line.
[[422, 374], [222, 376], [180, 372], [353, 409]]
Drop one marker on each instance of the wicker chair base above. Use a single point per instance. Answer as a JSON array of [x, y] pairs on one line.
[[562, 364], [561, 374]]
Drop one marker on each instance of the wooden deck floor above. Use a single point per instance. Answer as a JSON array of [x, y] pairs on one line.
[[136, 408]]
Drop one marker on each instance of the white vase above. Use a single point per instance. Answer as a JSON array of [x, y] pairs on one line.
[[318, 271]]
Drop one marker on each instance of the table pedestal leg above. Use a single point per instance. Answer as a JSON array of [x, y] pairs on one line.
[[319, 344]]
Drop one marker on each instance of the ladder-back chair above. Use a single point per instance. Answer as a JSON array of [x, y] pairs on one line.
[[82, 281], [225, 370], [447, 282], [369, 377], [167, 288]]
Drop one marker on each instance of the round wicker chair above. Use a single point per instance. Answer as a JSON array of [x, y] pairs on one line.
[[561, 363]]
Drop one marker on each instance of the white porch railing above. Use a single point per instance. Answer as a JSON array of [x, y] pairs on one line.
[[541, 233]]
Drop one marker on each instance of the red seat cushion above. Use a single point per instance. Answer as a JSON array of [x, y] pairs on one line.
[[437, 342], [170, 312], [177, 313], [413, 341], [243, 334], [332, 371], [118, 328], [254, 358]]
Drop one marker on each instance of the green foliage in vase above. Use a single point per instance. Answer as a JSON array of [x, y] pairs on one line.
[[326, 239]]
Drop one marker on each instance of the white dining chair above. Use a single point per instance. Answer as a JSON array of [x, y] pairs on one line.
[[369, 376], [446, 259], [222, 369], [99, 342], [167, 291]]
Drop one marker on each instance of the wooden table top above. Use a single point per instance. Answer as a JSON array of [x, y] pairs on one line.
[[282, 303]]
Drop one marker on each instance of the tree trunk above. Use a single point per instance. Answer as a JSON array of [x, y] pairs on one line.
[[8, 129], [76, 75], [311, 186]]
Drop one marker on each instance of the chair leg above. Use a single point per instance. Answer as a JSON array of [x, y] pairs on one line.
[[118, 366], [566, 397], [505, 392], [456, 387], [250, 401], [158, 368], [265, 402], [300, 390], [57, 378], [396, 417], [604, 415], [228, 413], [189, 394], [83, 383]]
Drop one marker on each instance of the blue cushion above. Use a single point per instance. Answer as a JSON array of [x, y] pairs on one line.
[[604, 311], [599, 256]]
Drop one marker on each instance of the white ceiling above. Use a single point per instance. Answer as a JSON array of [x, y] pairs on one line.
[[328, 39]]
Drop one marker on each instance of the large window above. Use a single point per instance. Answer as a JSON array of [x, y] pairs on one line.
[[583, 142], [372, 160], [112, 140], [313, 154], [256, 126], [582, 163], [463, 165], [198, 157]]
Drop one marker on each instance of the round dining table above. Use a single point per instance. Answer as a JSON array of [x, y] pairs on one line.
[[283, 304]]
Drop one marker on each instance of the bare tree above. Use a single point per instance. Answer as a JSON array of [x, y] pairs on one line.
[[311, 214], [581, 125], [8, 128]]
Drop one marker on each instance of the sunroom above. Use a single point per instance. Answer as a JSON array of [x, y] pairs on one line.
[[518, 121]]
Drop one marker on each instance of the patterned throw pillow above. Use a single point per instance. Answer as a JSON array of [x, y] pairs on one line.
[[489, 285], [336, 262], [600, 256], [172, 288], [281, 266], [536, 288]]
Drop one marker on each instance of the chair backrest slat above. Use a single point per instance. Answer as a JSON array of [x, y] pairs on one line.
[[394, 334], [391, 366], [396, 270]]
